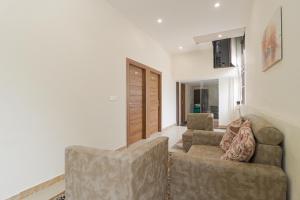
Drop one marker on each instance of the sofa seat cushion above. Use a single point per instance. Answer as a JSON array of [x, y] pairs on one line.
[[205, 151]]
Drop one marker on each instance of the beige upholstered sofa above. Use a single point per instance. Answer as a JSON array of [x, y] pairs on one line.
[[137, 173], [195, 123], [199, 174]]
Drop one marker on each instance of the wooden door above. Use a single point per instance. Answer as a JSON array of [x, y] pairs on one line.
[[183, 104], [154, 102], [177, 104], [136, 103], [204, 100], [143, 101]]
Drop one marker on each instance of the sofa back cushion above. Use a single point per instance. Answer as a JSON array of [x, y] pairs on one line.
[[231, 131], [268, 155], [200, 121], [243, 145], [264, 132]]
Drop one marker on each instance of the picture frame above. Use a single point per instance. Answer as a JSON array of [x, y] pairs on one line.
[[272, 51]]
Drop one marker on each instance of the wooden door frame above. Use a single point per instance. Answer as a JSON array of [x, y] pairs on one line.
[[183, 103], [147, 69], [177, 104]]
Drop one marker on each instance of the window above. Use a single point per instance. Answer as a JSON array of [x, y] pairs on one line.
[[243, 72]]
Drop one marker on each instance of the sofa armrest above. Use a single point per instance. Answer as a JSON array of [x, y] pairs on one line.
[[207, 138], [91, 173], [138, 172], [198, 178]]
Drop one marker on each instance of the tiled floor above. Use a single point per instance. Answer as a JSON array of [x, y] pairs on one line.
[[174, 133]]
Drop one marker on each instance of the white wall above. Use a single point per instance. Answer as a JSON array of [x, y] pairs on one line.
[[213, 92], [274, 94], [188, 99], [60, 60], [224, 96], [196, 66], [228, 97], [225, 103]]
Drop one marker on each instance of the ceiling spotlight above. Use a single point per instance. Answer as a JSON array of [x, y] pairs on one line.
[[220, 36], [159, 20], [180, 47], [217, 5]]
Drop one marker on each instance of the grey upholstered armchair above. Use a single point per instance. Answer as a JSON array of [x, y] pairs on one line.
[[195, 123], [137, 173]]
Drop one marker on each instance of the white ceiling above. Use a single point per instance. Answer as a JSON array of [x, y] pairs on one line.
[[184, 19], [224, 34]]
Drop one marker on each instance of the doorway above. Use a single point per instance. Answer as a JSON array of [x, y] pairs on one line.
[[201, 97], [197, 97], [143, 101]]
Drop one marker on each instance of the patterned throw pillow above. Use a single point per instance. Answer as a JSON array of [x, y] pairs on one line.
[[243, 145], [231, 131]]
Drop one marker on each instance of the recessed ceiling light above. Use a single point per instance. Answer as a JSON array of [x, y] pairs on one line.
[[180, 47], [217, 5], [220, 36], [159, 20]]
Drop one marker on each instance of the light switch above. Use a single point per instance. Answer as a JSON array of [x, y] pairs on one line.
[[113, 98]]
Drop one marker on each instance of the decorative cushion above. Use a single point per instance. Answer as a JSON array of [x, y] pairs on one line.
[[231, 131], [243, 145]]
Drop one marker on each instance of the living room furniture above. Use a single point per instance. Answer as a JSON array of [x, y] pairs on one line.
[[139, 172], [215, 111], [196, 122], [201, 174]]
